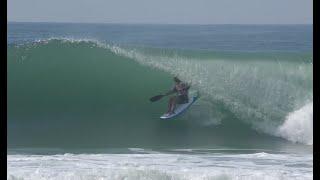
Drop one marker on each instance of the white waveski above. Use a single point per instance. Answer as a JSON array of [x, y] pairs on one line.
[[180, 108]]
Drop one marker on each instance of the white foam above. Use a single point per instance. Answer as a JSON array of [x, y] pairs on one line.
[[160, 166], [298, 126]]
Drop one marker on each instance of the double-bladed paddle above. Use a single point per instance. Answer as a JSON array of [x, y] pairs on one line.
[[157, 97]]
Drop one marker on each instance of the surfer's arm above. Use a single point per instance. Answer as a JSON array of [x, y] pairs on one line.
[[188, 86], [172, 91]]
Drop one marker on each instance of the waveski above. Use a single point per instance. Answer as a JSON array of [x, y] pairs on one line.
[[79, 90]]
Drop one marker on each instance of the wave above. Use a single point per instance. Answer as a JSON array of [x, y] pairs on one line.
[[87, 89]]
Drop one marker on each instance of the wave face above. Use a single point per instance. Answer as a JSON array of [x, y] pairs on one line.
[[85, 93]]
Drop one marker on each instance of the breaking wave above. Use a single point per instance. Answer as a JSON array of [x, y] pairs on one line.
[[80, 90]]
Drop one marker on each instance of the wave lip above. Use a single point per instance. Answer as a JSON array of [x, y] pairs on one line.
[[298, 126]]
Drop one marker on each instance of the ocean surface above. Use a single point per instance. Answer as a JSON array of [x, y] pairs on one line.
[[78, 101]]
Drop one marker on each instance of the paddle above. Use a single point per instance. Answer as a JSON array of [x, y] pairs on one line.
[[157, 97]]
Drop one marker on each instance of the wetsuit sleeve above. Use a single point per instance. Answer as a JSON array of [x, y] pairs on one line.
[[187, 86], [172, 90]]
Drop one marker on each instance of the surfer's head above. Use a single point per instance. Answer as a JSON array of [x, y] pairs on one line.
[[176, 79]]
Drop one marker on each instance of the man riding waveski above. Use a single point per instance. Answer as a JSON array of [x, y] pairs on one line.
[[181, 97]]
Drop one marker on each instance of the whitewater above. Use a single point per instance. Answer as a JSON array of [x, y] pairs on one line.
[[144, 164], [67, 91]]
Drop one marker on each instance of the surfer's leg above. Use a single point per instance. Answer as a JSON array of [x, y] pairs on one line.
[[173, 104], [170, 104]]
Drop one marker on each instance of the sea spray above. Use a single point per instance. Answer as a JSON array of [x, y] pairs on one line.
[[298, 126], [259, 89]]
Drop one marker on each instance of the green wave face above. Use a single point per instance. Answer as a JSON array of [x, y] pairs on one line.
[[64, 93]]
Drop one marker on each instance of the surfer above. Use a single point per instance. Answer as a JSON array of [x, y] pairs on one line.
[[181, 97]]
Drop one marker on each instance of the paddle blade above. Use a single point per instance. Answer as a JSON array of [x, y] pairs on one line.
[[156, 98]]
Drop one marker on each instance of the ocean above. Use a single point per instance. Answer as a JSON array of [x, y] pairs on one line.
[[78, 101]]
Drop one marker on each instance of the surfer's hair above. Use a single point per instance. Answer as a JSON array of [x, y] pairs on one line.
[[176, 79]]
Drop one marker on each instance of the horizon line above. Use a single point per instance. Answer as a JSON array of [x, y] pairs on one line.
[[150, 23]]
